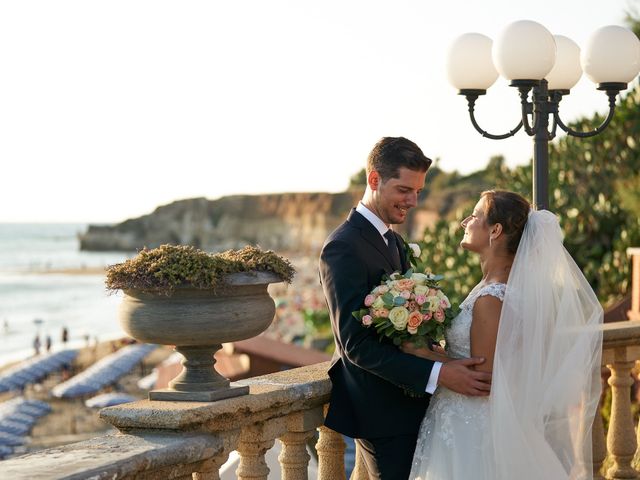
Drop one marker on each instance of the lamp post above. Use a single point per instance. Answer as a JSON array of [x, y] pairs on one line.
[[543, 68]]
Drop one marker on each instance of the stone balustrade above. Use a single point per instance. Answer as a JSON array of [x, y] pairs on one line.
[[191, 440], [621, 350]]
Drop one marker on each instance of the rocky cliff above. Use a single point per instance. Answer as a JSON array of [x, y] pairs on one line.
[[281, 222]]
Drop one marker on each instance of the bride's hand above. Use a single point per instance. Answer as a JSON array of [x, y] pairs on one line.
[[424, 352]]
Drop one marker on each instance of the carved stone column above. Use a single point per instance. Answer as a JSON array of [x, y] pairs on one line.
[[359, 470], [211, 468], [254, 442], [621, 439], [294, 458], [330, 449], [252, 463], [599, 448]]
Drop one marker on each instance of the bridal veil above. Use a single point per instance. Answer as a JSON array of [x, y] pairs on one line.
[[546, 373]]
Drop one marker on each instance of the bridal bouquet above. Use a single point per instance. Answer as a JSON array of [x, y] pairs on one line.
[[408, 307]]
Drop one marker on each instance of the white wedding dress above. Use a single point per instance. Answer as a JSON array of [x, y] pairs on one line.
[[454, 431], [536, 423]]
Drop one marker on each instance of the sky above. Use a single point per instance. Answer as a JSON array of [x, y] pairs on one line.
[[109, 109]]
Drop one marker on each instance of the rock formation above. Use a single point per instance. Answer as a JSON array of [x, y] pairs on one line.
[[281, 222]]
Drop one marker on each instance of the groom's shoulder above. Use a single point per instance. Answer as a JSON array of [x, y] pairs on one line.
[[347, 231], [344, 231]]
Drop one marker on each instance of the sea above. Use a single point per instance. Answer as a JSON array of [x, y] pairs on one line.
[[47, 283]]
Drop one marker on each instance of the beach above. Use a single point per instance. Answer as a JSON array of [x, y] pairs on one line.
[[70, 420]]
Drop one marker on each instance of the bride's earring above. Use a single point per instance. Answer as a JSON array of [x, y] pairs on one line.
[[489, 241]]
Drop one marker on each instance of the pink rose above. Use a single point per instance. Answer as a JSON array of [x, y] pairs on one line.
[[411, 305], [367, 320], [420, 299], [381, 289], [405, 284], [381, 313], [369, 299], [439, 315], [405, 294], [427, 316], [444, 304]]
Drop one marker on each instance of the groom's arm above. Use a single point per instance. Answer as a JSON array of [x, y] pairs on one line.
[[345, 283]]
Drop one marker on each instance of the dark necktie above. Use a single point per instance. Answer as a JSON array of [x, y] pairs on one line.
[[393, 249]]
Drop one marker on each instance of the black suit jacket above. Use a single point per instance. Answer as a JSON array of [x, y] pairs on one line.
[[370, 378]]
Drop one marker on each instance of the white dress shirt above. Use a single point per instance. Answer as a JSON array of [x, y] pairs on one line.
[[382, 229]]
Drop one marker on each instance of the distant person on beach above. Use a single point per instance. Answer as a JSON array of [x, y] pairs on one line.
[[47, 343], [65, 336], [36, 344]]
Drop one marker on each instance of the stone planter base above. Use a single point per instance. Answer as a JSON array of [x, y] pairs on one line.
[[169, 394]]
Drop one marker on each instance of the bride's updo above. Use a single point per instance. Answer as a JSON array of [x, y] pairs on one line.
[[509, 210]]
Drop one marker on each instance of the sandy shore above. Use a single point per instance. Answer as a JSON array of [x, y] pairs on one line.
[[71, 421]]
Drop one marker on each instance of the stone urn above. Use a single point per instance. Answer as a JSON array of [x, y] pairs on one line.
[[197, 322]]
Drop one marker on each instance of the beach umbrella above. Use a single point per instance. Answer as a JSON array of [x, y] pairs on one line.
[[11, 440], [34, 369], [5, 451], [109, 400], [15, 428], [17, 417], [104, 372]]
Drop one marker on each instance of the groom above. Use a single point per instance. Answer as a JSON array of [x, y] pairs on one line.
[[378, 394]]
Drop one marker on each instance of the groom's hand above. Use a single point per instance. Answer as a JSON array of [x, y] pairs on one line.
[[459, 376]]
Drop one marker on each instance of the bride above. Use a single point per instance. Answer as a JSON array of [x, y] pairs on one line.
[[535, 320]]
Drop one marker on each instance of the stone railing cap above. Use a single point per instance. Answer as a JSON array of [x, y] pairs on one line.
[[270, 395], [623, 333]]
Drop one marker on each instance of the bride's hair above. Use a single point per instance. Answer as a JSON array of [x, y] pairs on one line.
[[509, 210]]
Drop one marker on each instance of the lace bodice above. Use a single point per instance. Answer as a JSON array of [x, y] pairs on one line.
[[458, 336], [451, 415]]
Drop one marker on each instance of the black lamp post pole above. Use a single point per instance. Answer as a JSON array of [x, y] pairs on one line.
[[541, 148], [543, 103]]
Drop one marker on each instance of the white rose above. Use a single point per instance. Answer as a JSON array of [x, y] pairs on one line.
[[399, 317], [434, 303], [420, 290], [378, 303], [419, 278], [415, 249]]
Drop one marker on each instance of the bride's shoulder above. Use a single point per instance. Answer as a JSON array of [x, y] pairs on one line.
[[481, 290], [493, 289]]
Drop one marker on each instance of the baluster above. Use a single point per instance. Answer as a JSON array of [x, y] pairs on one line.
[[211, 469], [621, 439], [294, 458], [359, 469], [252, 463], [599, 448], [330, 449], [254, 442]]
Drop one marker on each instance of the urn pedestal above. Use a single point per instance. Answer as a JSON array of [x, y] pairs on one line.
[[197, 322]]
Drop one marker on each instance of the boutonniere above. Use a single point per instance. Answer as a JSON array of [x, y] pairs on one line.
[[412, 252]]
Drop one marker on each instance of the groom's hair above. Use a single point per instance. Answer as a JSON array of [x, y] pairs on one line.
[[392, 153], [510, 210]]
